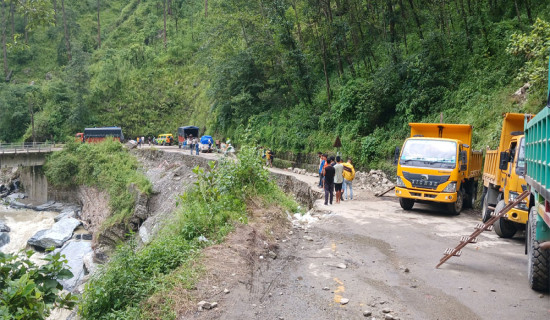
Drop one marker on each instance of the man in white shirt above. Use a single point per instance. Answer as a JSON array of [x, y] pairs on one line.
[[338, 178]]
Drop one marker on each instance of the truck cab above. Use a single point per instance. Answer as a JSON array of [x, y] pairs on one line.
[[504, 177], [436, 164]]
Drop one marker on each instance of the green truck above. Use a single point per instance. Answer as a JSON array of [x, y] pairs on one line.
[[537, 159]]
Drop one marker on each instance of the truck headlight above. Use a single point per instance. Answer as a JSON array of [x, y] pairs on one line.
[[512, 197], [399, 182], [451, 187]]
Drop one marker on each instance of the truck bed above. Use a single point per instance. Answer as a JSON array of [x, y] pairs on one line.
[[475, 164], [491, 173]]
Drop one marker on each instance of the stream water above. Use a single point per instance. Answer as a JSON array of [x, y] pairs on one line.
[[23, 224]]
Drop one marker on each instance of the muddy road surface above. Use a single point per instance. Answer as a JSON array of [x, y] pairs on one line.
[[381, 260]]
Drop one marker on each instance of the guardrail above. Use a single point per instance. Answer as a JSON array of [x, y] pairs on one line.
[[27, 147]]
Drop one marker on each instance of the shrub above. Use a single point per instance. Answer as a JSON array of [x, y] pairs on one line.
[[30, 291]]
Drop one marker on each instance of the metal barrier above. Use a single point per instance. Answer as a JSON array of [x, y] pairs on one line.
[[26, 147]]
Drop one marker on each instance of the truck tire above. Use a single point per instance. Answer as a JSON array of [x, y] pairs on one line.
[[538, 266], [455, 207], [504, 228], [485, 211], [406, 203], [471, 196]]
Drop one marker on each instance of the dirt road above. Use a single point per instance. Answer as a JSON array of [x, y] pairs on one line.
[[389, 257]]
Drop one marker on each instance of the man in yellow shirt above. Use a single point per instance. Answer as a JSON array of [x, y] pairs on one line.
[[349, 175]]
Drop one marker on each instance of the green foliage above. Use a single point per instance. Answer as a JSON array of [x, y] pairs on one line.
[[107, 166], [534, 47], [31, 291], [210, 209]]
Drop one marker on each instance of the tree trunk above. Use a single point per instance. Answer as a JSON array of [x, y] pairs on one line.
[[393, 33], [66, 32], [324, 59], [205, 8], [4, 51], [12, 13], [466, 26], [416, 19], [98, 26], [164, 14], [517, 10], [298, 23]]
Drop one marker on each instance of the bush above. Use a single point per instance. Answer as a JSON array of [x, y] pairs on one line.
[[107, 166], [30, 291]]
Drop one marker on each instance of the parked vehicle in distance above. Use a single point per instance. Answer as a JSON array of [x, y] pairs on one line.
[[184, 132], [503, 177], [436, 164], [79, 137], [95, 135], [206, 144], [165, 139]]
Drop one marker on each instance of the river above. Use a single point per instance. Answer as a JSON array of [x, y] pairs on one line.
[[24, 224]]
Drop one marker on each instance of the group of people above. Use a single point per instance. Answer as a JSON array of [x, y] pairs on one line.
[[141, 141], [193, 144], [336, 176]]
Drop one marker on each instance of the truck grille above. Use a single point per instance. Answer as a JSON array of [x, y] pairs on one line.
[[425, 181]]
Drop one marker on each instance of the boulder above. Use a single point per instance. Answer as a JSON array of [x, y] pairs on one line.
[[4, 227], [4, 238], [50, 206], [74, 252], [66, 213], [89, 264], [60, 232]]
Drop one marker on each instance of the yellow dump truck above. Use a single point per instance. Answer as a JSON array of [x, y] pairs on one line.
[[504, 177], [437, 164]]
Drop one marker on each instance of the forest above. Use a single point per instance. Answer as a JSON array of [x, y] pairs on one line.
[[291, 75]]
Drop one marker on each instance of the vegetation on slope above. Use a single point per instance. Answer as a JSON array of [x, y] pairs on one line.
[[107, 166], [211, 209], [292, 73]]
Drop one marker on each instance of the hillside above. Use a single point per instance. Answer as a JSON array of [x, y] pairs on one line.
[[290, 74]]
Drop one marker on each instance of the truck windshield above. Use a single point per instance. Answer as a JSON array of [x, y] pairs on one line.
[[429, 153], [520, 166]]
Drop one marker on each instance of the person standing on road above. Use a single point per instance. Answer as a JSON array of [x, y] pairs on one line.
[[149, 140], [338, 178], [321, 165], [138, 142], [196, 142], [190, 144], [329, 182], [349, 175], [142, 141]]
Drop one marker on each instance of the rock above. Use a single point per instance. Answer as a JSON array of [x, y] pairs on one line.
[[344, 301], [89, 264], [17, 205], [367, 313], [226, 291], [493, 290], [4, 227], [49, 206], [386, 310], [87, 236], [74, 252], [308, 238], [337, 265], [65, 213], [273, 255], [4, 238], [261, 257], [389, 317], [56, 236], [214, 305], [541, 296], [407, 270], [326, 288]]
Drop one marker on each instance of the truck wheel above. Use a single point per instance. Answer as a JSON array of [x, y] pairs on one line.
[[485, 211], [504, 228], [538, 267], [455, 207], [406, 203], [471, 197]]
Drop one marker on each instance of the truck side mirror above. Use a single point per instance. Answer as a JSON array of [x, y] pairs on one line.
[[504, 159], [463, 156], [396, 155]]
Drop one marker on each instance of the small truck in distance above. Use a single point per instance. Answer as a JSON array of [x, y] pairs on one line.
[[503, 177], [437, 164]]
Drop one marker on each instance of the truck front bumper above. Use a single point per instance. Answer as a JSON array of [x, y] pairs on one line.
[[517, 215], [425, 195]]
